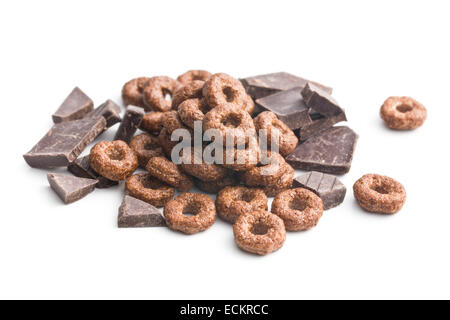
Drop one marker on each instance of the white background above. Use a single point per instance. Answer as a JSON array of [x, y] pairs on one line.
[[365, 51]]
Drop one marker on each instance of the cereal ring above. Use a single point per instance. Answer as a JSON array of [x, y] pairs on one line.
[[403, 113], [171, 121], [259, 232], [114, 160], [155, 93], [269, 121], [266, 174], [195, 166], [190, 91], [190, 213], [146, 188], [214, 187], [192, 110], [193, 75], [168, 172], [221, 89], [282, 184], [132, 92], [231, 202], [166, 143], [152, 122], [242, 158], [299, 208], [379, 194], [146, 147]]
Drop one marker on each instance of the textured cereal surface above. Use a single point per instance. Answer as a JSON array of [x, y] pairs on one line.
[[193, 75], [147, 188], [221, 89], [152, 122], [146, 146], [132, 92], [168, 172], [403, 113], [155, 93]]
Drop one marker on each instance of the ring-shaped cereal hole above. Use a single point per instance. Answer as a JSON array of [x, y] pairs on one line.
[[231, 202], [146, 188], [403, 113], [132, 91], [259, 232], [190, 213], [221, 89], [191, 90], [158, 93], [242, 158], [267, 174], [146, 146], [299, 208], [190, 111], [193, 75], [194, 165], [114, 160], [168, 172], [152, 122], [379, 194]]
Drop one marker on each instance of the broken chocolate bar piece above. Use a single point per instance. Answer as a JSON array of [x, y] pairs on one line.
[[108, 110], [288, 106], [330, 151], [319, 124], [267, 84], [64, 143], [81, 168], [320, 101], [75, 106], [131, 121], [70, 188], [134, 213], [326, 186]]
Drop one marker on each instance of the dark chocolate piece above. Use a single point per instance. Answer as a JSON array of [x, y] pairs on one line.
[[134, 213], [108, 110], [267, 84], [319, 124], [75, 106], [320, 101], [70, 188], [81, 168], [326, 186], [131, 121], [64, 143], [288, 106], [330, 152]]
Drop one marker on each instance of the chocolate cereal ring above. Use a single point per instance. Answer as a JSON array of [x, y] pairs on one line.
[[275, 128], [299, 208], [146, 147], [189, 91], [155, 93], [242, 158], [193, 75], [213, 187], [266, 174], [114, 160], [231, 202], [146, 188], [221, 89], [152, 122], [168, 172], [192, 110], [259, 232], [403, 113], [190, 213], [195, 166], [132, 91], [283, 183], [379, 194], [171, 121]]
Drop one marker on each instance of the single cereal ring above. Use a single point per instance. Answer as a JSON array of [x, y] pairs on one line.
[[221, 89], [189, 91], [146, 188], [259, 232], [168, 172], [213, 187], [242, 158], [299, 208], [146, 147], [166, 143], [190, 213], [194, 165], [379, 194], [132, 92], [114, 160], [193, 75], [231, 202], [403, 113], [192, 110], [171, 121], [277, 130], [282, 184], [152, 122], [155, 93], [266, 174]]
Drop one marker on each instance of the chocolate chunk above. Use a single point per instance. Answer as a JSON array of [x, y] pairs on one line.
[[70, 188], [134, 213], [320, 101], [267, 84], [131, 121], [330, 152], [64, 143], [81, 168], [108, 110], [319, 124], [75, 106], [326, 186], [288, 106]]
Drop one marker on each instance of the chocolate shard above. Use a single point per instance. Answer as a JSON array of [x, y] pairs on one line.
[[108, 110], [64, 143], [70, 188], [267, 84], [326, 186], [134, 213], [320, 101], [319, 124], [288, 106], [330, 151], [130, 123], [75, 106], [81, 168]]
